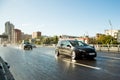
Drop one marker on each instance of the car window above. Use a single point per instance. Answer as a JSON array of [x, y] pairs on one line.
[[63, 43], [67, 43], [82, 43], [26, 43], [78, 43]]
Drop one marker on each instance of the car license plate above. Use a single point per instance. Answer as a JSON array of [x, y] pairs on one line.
[[91, 53]]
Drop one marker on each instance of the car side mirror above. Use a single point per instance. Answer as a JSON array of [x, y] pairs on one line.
[[92, 46], [69, 46]]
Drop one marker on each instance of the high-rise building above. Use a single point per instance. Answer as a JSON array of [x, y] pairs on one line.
[[36, 34], [9, 30], [17, 35]]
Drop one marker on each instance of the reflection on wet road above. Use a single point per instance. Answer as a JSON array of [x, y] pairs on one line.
[[41, 64]]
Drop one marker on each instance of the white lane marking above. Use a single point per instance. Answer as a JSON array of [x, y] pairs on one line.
[[84, 65], [111, 57]]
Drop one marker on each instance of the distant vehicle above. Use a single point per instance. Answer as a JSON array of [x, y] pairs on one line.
[[26, 45], [75, 49]]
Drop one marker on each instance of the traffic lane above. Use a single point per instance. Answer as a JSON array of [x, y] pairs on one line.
[[43, 69], [108, 64], [90, 73], [23, 77], [40, 64], [109, 54], [26, 66], [99, 63], [110, 60], [91, 63]]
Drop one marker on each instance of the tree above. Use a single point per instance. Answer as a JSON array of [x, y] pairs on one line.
[[55, 39], [50, 40], [105, 39], [92, 40], [46, 41]]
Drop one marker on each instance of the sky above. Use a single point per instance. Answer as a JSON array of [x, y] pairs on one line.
[[61, 17]]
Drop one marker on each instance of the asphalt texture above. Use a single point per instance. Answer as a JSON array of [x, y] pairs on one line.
[[41, 64]]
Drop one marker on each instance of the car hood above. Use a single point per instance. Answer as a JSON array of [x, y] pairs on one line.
[[85, 48]]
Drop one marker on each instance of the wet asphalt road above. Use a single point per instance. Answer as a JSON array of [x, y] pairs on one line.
[[41, 64]]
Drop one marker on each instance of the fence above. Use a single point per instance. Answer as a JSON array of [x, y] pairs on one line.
[[109, 48]]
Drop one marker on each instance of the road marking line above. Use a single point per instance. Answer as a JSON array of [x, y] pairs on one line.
[[110, 57], [84, 65]]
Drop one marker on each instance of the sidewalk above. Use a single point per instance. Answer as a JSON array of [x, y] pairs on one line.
[[106, 49]]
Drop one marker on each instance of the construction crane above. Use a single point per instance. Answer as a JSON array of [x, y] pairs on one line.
[[110, 26], [111, 29]]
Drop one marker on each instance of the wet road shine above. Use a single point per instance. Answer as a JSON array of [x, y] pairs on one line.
[[41, 64]]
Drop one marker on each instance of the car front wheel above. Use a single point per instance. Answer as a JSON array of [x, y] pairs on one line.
[[74, 56], [31, 48], [57, 53]]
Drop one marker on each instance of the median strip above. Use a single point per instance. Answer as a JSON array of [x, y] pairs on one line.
[[84, 65]]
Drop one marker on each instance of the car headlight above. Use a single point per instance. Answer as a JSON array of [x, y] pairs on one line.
[[82, 50]]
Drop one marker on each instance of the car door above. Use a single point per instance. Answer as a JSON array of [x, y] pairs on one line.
[[60, 47], [68, 49], [63, 47]]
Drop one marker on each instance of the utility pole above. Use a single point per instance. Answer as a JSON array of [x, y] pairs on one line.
[[111, 28]]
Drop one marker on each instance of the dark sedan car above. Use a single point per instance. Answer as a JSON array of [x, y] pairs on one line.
[[26, 45], [75, 49]]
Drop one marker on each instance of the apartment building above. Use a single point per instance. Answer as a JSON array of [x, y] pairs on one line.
[[36, 34], [17, 35]]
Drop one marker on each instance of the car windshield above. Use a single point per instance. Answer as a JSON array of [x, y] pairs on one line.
[[78, 43], [26, 43]]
